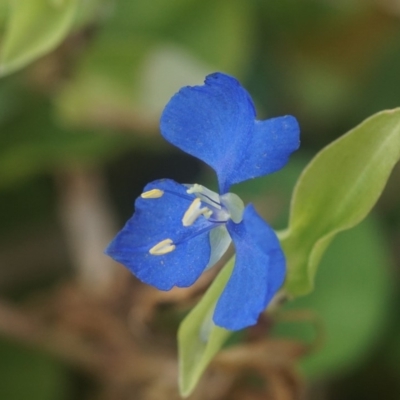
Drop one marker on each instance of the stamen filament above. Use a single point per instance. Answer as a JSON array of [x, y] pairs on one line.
[[199, 232], [205, 195]]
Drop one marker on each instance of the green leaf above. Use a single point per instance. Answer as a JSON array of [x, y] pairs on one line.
[[199, 339], [336, 191], [34, 28]]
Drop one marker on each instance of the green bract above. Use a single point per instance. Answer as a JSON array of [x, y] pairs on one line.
[[199, 339]]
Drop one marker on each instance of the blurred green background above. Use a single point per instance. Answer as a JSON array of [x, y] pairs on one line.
[[82, 88]]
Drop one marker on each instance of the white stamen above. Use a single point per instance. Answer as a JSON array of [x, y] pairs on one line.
[[204, 194], [163, 247], [194, 211], [152, 194], [196, 188]]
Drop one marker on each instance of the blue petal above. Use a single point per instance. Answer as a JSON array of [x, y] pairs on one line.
[[157, 219], [216, 123], [258, 273], [272, 142]]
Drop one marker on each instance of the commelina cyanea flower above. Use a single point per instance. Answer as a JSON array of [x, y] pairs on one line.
[[177, 231]]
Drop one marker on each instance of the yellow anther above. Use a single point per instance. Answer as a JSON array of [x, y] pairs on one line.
[[163, 247], [152, 194], [194, 211]]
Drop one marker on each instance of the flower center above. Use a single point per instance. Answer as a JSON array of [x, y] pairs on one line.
[[216, 208]]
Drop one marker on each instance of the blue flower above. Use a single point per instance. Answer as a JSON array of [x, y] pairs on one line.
[[177, 231]]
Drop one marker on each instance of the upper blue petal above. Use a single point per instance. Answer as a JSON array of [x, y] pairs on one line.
[[272, 141], [258, 273], [216, 123], [157, 219]]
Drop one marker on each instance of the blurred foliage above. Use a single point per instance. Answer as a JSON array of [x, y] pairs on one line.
[[35, 144], [86, 81], [352, 298], [34, 28], [30, 374]]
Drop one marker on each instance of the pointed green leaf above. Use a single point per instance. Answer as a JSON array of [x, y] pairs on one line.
[[336, 191], [34, 28], [199, 339]]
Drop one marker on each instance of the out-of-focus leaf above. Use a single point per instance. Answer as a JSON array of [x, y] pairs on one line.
[[3, 13], [15, 215], [13, 98], [36, 144], [131, 64], [89, 11], [298, 17], [219, 33], [142, 16], [336, 191], [34, 28], [27, 374], [126, 82], [378, 92], [328, 49], [321, 89], [104, 90], [350, 301], [178, 65], [199, 339]]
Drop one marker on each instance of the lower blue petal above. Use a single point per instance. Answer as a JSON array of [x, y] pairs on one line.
[[157, 219], [258, 273]]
